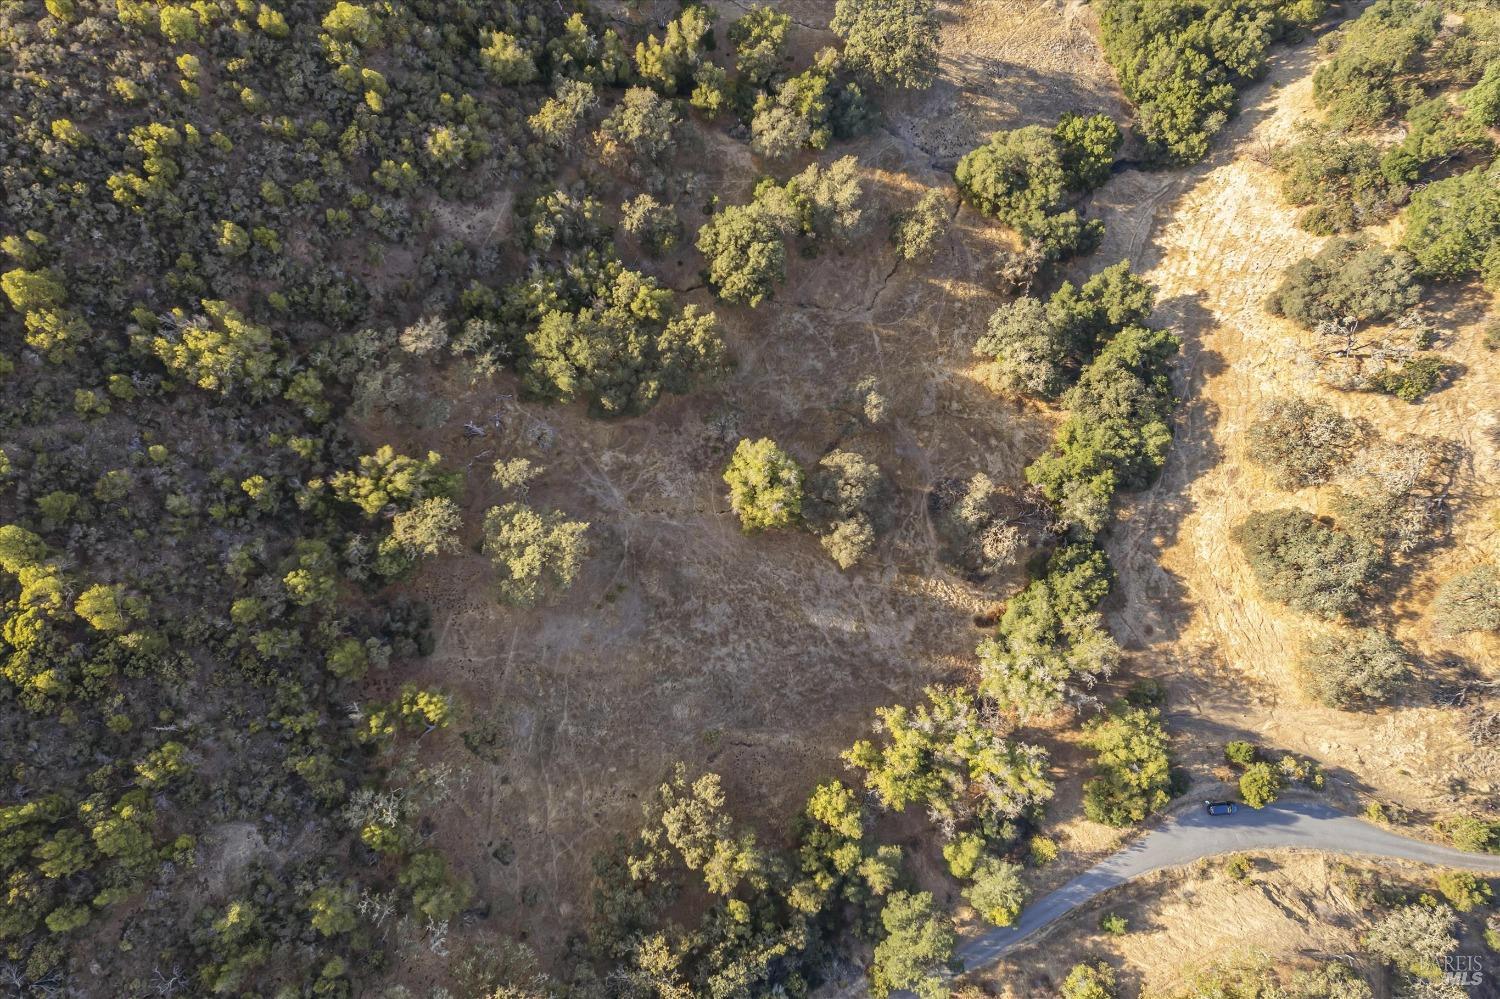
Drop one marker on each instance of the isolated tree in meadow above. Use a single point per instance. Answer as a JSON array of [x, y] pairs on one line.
[[536, 553], [765, 485]]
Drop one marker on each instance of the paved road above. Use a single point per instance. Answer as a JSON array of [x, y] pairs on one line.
[[1192, 835]]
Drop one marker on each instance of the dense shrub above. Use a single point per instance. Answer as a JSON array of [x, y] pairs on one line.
[[1039, 349], [1339, 182], [997, 893], [893, 42], [765, 485], [1453, 227], [1181, 61], [624, 351], [536, 553], [938, 754], [842, 505], [1133, 769], [1090, 981], [1347, 279], [1260, 785], [917, 945], [1116, 434], [1435, 134], [1050, 645], [1022, 178], [745, 251], [1371, 76], [916, 231], [1464, 891], [759, 40], [1300, 561]]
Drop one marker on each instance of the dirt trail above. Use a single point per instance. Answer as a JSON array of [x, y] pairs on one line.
[[1215, 241]]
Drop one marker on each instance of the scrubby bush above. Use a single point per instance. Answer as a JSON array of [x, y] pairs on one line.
[[1302, 443], [982, 524], [1348, 668], [1469, 601], [1260, 785], [1415, 938], [915, 232], [1386, 498], [1239, 866], [656, 225], [1302, 562]]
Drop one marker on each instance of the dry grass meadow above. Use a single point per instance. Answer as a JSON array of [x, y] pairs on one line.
[[755, 657]]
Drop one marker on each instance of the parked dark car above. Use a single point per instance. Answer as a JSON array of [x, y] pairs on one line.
[[1220, 807]]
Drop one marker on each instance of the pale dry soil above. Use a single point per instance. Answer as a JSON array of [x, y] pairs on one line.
[[1215, 241]]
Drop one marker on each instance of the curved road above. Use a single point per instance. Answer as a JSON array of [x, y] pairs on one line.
[[1289, 824]]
